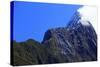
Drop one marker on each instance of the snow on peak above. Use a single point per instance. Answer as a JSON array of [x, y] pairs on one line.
[[88, 13], [84, 22]]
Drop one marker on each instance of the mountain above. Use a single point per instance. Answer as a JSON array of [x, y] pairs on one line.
[[74, 43], [27, 53], [77, 41], [31, 52]]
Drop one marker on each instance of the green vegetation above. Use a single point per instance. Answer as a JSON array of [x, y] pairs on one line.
[[31, 52]]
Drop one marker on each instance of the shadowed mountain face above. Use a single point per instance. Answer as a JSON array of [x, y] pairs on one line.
[[31, 52], [74, 43], [77, 42]]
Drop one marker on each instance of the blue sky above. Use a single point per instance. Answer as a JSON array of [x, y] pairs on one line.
[[33, 19]]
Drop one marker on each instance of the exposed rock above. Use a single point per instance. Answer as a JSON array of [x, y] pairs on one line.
[[77, 42], [74, 43]]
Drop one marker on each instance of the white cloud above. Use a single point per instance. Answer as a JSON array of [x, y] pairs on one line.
[[89, 13]]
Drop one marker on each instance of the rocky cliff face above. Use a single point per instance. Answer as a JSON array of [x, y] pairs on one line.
[[74, 43], [77, 41]]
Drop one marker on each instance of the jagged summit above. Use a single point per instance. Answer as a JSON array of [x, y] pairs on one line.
[[77, 41], [74, 20], [77, 20], [89, 14]]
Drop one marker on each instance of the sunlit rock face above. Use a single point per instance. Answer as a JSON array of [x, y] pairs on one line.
[[76, 42]]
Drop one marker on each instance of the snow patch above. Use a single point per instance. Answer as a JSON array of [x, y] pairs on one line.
[[88, 13], [84, 22]]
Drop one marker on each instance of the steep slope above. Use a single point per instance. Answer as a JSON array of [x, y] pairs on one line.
[[76, 42], [30, 52]]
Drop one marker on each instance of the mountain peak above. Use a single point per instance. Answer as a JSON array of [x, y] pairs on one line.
[[85, 22], [79, 36], [88, 13]]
